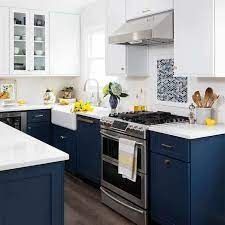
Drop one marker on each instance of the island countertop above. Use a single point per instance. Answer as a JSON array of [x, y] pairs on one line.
[[188, 131], [19, 150]]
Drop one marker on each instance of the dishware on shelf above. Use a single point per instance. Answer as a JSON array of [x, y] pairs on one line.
[[16, 51], [24, 37], [40, 22], [24, 51], [38, 52], [17, 37], [19, 66], [36, 38]]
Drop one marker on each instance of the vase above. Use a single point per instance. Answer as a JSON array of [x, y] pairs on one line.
[[113, 101]]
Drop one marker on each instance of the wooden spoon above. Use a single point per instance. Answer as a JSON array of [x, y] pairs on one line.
[[195, 100], [213, 100], [208, 96], [198, 98]]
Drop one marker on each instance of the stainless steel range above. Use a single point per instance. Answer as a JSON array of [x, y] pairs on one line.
[[124, 196]]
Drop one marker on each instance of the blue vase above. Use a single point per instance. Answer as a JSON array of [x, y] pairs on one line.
[[113, 101]]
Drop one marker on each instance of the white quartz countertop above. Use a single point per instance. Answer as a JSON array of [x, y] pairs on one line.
[[97, 113], [18, 150], [188, 131], [26, 107]]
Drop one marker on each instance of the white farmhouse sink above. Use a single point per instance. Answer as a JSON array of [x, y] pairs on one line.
[[62, 116]]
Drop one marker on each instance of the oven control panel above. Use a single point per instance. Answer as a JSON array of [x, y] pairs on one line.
[[128, 128]]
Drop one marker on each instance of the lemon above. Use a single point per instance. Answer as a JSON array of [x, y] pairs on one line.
[[210, 122]]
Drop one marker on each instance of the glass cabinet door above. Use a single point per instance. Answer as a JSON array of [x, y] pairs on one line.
[[19, 33], [39, 52]]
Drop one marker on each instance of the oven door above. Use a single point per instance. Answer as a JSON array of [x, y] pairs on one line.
[[135, 192], [110, 148]]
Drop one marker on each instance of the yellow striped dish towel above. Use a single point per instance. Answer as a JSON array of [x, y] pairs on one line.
[[127, 159]]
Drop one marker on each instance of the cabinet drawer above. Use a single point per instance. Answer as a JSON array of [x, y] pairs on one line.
[[175, 147], [38, 116]]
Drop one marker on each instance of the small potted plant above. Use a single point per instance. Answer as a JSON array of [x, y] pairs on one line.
[[115, 91]]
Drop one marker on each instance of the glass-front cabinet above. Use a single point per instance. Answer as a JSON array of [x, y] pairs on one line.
[[29, 52]]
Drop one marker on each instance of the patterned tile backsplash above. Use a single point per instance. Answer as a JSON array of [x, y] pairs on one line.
[[169, 88]]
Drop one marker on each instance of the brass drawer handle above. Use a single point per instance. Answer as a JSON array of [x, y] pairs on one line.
[[167, 146]]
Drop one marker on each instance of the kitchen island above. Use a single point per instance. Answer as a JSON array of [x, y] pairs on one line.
[[31, 180]]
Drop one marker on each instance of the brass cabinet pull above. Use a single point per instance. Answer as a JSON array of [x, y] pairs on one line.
[[85, 120]]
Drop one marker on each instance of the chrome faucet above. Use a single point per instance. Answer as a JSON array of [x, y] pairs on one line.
[[85, 89]]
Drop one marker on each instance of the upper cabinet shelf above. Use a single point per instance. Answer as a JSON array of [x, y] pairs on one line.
[[199, 38], [141, 8], [27, 56]]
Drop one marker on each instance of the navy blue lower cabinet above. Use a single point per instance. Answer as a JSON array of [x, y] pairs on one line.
[[41, 131], [89, 149], [32, 195], [39, 125], [170, 190], [65, 140], [187, 190]]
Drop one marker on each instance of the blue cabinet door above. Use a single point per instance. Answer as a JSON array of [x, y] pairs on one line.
[[32, 195], [41, 131], [170, 190], [65, 140], [89, 149]]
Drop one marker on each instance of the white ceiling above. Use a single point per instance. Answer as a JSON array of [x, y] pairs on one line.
[[50, 5]]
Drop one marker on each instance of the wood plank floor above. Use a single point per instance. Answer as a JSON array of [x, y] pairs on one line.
[[83, 206]]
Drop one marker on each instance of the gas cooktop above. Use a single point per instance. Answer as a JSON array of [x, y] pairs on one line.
[[149, 118], [136, 123]]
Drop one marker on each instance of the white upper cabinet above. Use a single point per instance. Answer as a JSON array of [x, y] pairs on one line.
[[28, 42], [4, 41], [199, 38], [115, 54], [140, 8], [64, 44], [132, 61]]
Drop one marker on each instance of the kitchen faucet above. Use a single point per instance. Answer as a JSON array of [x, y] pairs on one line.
[[85, 89]]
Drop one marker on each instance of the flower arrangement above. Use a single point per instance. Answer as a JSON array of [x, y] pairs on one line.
[[81, 106], [115, 91]]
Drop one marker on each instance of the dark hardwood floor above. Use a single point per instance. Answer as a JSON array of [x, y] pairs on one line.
[[83, 206]]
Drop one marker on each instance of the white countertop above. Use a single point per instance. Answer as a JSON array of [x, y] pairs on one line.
[[188, 131], [97, 113], [18, 150], [25, 107]]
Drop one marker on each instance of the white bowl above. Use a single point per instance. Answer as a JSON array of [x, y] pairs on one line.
[[38, 38], [17, 37], [16, 50], [38, 52]]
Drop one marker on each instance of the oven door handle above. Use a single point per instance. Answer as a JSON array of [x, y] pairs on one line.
[[116, 139], [121, 203]]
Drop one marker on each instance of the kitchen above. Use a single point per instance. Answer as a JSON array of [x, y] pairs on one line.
[[111, 87]]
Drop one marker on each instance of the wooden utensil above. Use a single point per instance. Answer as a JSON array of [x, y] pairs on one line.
[[198, 98], [195, 100], [208, 96], [213, 99]]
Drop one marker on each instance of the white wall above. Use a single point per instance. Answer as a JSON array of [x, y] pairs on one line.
[[95, 15], [33, 89]]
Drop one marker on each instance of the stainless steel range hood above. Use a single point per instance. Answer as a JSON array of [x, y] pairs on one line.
[[153, 30]]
